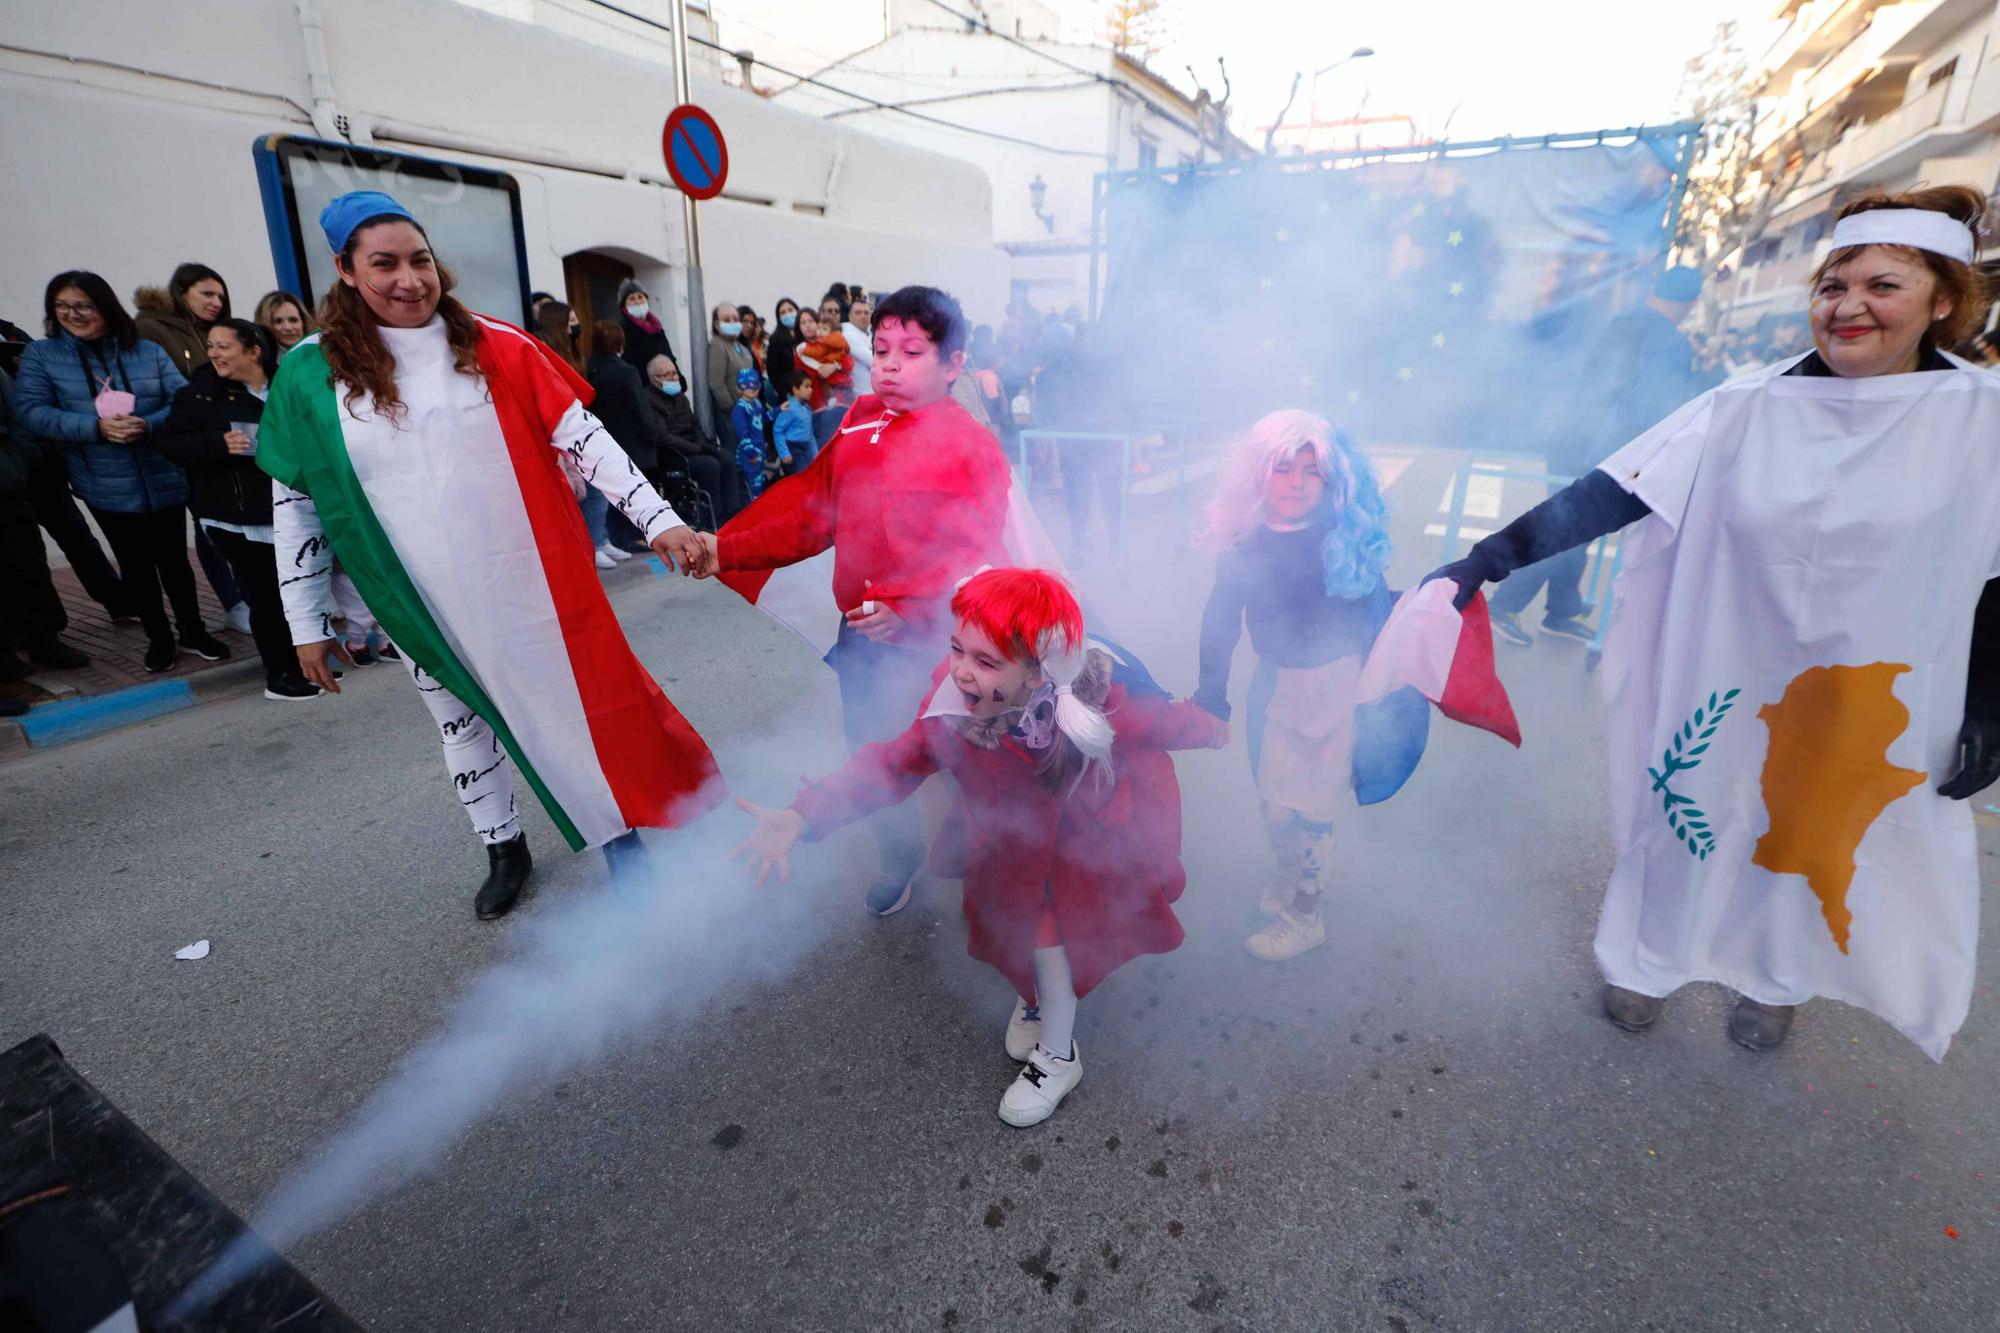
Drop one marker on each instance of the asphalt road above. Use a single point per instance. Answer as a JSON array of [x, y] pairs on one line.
[[1426, 1124]]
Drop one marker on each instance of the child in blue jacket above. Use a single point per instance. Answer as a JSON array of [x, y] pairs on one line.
[[792, 430]]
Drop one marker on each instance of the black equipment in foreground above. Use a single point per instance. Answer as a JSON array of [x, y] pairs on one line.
[[99, 1227]]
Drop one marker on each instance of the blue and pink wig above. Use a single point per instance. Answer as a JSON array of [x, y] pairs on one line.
[[1356, 549]]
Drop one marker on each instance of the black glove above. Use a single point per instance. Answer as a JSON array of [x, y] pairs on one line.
[[1469, 574], [1979, 758]]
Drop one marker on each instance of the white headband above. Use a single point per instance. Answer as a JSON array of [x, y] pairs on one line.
[[1920, 228]]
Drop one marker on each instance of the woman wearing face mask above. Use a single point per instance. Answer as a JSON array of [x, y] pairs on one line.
[[229, 494], [286, 317], [727, 354], [95, 385], [425, 444], [645, 335], [682, 438], [779, 368], [1802, 677]]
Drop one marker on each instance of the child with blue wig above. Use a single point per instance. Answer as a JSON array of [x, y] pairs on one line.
[[1301, 541]]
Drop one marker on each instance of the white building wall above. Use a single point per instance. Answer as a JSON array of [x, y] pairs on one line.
[[1071, 128], [143, 119]]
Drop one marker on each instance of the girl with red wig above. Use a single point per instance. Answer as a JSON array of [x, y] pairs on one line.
[[1068, 802]]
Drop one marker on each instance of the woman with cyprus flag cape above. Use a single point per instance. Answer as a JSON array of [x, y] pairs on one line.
[[1803, 674], [428, 446]]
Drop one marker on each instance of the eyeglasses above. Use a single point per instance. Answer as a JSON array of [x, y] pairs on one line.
[[81, 309]]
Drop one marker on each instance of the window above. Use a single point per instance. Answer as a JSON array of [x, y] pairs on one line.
[[1942, 72], [1149, 155]]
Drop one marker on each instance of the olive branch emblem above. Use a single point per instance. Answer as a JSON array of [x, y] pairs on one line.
[[1688, 821]]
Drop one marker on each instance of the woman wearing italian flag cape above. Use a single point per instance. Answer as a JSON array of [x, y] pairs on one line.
[[425, 445]]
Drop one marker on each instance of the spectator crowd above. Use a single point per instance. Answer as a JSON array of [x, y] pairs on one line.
[[147, 419]]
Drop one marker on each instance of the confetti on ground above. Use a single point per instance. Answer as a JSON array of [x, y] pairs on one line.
[[1651, 1153], [1952, 1232]]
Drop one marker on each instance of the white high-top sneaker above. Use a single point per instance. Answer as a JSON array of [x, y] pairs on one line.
[[1042, 1084], [1024, 1029]]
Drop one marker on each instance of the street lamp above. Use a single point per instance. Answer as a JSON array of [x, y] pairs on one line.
[[1038, 194], [1312, 118]]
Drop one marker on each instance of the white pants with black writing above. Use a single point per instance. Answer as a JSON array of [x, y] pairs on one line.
[[479, 767]]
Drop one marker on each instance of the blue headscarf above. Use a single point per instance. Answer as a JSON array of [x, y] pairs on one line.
[[346, 212]]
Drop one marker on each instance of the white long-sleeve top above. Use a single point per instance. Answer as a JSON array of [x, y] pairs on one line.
[[305, 558]]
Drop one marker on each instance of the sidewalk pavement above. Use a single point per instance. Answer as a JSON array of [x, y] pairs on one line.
[[116, 689]]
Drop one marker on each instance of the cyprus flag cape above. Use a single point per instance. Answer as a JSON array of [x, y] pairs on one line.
[[1785, 681], [465, 539]]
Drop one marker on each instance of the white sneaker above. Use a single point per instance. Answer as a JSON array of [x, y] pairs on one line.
[[618, 556], [1024, 1029], [1042, 1084], [1288, 936], [604, 561], [237, 617]]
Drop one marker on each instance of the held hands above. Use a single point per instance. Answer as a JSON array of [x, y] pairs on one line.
[[693, 553], [315, 662], [874, 620], [1979, 759], [770, 843]]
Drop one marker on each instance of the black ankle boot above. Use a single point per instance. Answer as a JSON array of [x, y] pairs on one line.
[[510, 864], [1759, 1027]]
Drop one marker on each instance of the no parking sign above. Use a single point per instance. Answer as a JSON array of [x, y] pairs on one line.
[[697, 158]]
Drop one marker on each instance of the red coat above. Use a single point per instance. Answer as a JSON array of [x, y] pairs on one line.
[[910, 508], [1107, 859]]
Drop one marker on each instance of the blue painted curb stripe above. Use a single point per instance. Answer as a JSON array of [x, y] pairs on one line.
[[58, 724]]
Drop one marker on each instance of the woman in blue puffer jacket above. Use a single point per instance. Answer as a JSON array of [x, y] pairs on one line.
[[73, 388]]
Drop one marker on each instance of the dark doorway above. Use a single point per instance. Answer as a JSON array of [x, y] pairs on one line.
[[592, 282]]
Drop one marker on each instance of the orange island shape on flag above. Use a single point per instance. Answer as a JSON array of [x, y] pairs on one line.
[[1827, 777]]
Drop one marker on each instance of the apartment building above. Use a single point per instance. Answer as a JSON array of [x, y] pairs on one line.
[[1857, 96]]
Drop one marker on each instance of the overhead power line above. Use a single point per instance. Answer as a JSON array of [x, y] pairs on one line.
[[872, 102]]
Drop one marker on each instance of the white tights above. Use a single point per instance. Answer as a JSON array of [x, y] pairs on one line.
[[1055, 996]]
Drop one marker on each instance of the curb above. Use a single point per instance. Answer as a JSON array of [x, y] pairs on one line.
[[45, 726]]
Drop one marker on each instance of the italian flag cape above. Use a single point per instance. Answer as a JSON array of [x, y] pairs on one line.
[[463, 535]]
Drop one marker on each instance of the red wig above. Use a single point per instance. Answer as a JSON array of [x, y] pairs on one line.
[[1018, 609]]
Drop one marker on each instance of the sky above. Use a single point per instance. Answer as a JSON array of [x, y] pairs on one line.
[[1525, 67]]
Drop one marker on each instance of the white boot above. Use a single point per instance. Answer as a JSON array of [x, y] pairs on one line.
[[1024, 1029], [1042, 1084]]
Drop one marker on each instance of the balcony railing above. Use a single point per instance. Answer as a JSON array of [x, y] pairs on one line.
[[1850, 65]]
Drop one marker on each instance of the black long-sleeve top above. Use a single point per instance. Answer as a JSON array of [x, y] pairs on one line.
[[1596, 505], [1276, 582]]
